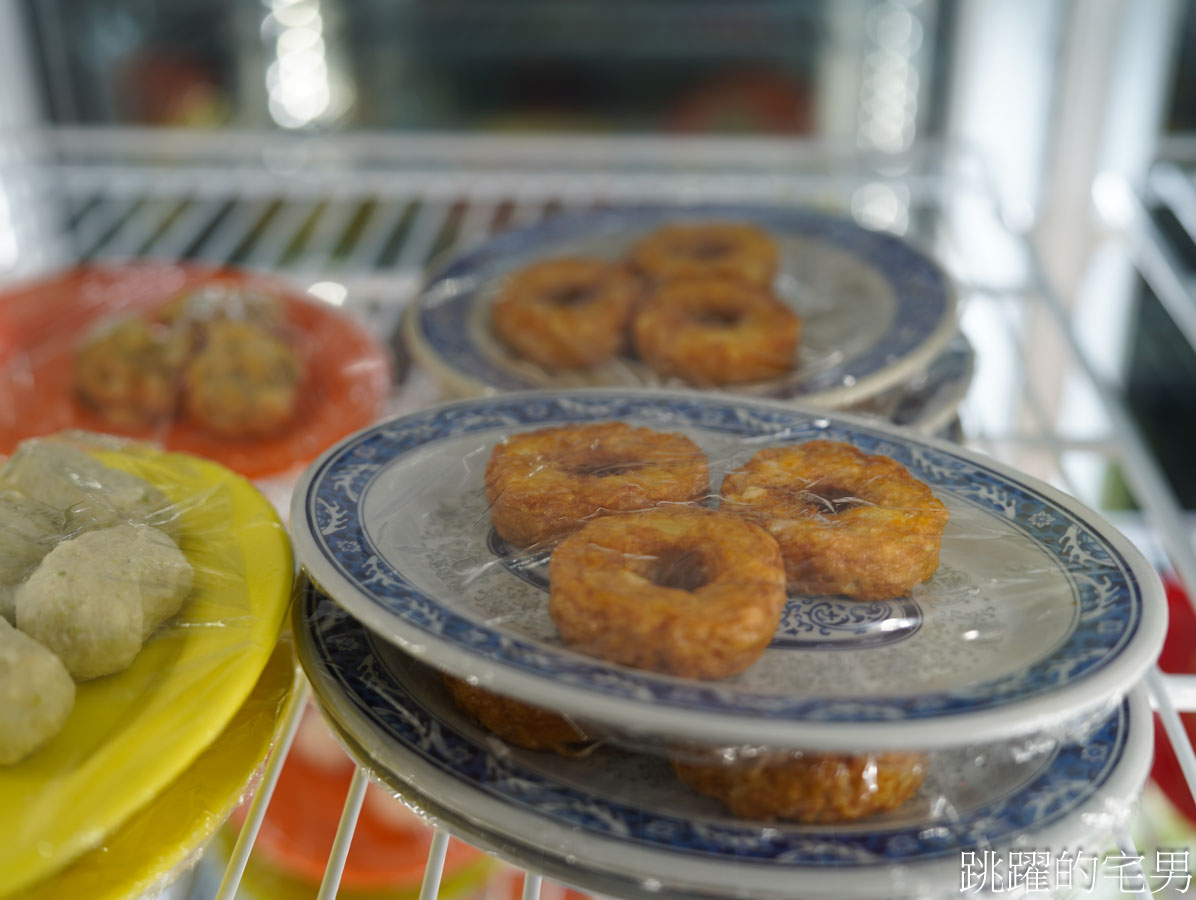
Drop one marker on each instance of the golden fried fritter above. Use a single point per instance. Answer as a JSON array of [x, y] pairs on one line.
[[848, 523], [687, 591], [543, 484], [128, 372], [516, 722], [566, 313], [716, 332], [244, 381], [784, 784], [712, 251]]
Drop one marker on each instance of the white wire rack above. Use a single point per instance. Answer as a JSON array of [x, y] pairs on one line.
[[359, 218]]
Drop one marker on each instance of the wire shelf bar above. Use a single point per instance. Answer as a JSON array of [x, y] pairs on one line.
[[371, 212]]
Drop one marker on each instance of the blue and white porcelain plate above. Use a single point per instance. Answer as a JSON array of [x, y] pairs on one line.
[[929, 402], [875, 311], [1039, 609], [625, 814]]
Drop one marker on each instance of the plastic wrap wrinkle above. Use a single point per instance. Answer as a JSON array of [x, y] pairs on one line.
[[994, 796], [528, 563], [233, 366]]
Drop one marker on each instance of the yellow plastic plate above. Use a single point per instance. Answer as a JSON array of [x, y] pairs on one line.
[[131, 734], [158, 842]]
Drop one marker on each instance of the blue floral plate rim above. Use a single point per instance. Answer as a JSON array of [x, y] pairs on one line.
[[923, 322], [1072, 797], [1122, 612]]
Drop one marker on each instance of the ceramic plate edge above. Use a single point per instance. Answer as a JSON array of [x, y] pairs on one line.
[[1017, 718], [433, 782], [466, 386]]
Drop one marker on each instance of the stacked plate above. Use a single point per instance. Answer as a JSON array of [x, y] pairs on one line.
[[879, 327], [1014, 667]]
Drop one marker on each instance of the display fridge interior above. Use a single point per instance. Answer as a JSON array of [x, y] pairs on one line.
[[1028, 167]]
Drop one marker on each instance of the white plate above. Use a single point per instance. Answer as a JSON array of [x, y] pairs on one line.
[[875, 311], [621, 823], [1039, 609]]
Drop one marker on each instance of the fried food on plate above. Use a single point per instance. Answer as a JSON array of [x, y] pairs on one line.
[[128, 371], [517, 723], [712, 332], [847, 522], [807, 787], [566, 313], [687, 591], [543, 484], [244, 381]]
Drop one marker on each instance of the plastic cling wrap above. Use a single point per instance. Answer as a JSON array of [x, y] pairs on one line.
[[622, 819], [159, 581], [234, 367], [159, 843], [763, 301], [676, 566]]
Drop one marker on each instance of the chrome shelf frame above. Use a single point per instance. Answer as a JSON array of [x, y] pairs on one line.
[[358, 219]]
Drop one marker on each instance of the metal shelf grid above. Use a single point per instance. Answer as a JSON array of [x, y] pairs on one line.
[[359, 218]]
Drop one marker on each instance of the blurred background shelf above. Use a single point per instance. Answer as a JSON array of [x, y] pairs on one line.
[[1045, 152]]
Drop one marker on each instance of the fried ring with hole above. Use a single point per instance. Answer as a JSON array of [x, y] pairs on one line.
[[782, 784], [848, 523], [518, 723], [543, 484], [687, 591], [566, 313], [712, 251], [716, 332]]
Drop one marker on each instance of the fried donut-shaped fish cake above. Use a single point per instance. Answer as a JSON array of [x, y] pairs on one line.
[[785, 784], [716, 332], [711, 251], [517, 723], [848, 523], [543, 484], [688, 591], [565, 313]]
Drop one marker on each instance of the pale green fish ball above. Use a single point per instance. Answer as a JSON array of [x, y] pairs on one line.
[[135, 572], [36, 694], [161, 572], [28, 531], [89, 493], [84, 604]]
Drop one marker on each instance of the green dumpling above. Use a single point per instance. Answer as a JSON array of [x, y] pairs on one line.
[[88, 493], [28, 531], [96, 597], [36, 694]]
